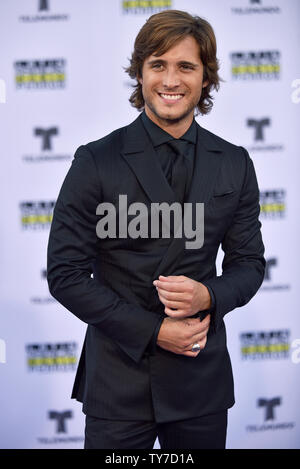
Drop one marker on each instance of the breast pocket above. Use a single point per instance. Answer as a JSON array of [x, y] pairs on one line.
[[224, 199]]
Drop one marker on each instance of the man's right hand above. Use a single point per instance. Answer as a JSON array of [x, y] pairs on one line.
[[179, 335]]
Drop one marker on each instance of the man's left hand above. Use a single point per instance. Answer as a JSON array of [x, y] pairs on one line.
[[182, 296]]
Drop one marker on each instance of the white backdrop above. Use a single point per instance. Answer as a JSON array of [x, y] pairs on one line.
[[62, 84]]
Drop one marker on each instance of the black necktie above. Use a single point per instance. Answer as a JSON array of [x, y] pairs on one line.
[[179, 169]]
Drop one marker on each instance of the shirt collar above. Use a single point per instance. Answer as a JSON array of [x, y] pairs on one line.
[[159, 136]]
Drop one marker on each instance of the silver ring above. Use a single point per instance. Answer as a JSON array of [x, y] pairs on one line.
[[196, 348]]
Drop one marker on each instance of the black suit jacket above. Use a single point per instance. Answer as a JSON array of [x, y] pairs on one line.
[[117, 377]]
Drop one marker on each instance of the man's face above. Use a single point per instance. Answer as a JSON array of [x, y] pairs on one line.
[[172, 83]]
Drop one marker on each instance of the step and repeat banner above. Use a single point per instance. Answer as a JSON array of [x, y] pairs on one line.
[[62, 84]]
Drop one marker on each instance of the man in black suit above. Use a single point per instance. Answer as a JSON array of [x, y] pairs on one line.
[[154, 360]]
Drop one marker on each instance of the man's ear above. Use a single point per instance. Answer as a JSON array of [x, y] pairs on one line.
[[140, 80], [205, 83]]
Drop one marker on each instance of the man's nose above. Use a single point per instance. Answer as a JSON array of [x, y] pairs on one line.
[[171, 78]]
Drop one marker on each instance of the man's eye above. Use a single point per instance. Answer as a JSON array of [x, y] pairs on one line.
[[187, 67], [157, 66]]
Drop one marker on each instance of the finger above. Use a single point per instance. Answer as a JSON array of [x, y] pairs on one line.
[[198, 333], [172, 305], [198, 337], [170, 286], [179, 313], [189, 353], [171, 296], [200, 342], [206, 320], [172, 278], [201, 339], [204, 324]]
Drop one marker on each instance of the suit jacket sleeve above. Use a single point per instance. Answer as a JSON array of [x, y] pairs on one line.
[[72, 249], [243, 264]]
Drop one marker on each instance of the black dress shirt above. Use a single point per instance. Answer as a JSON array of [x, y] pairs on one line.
[[165, 154]]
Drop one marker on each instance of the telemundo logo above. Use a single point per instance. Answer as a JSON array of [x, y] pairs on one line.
[[43, 13], [255, 7]]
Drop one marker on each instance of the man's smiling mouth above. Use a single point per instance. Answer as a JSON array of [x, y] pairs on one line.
[[171, 97]]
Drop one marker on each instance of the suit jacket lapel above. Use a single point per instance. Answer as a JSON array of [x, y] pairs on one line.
[[206, 167], [140, 156]]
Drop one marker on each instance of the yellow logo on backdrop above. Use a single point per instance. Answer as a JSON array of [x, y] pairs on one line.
[[39, 78], [129, 5], [272, 208]]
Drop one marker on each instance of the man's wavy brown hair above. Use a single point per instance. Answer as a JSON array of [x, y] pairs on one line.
[[162, 31]]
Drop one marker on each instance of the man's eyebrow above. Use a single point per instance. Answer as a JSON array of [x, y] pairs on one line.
[[154, 61], [186, 62], [180, 62]]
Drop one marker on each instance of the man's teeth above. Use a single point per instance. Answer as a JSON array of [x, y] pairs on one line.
[[171, 96]]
